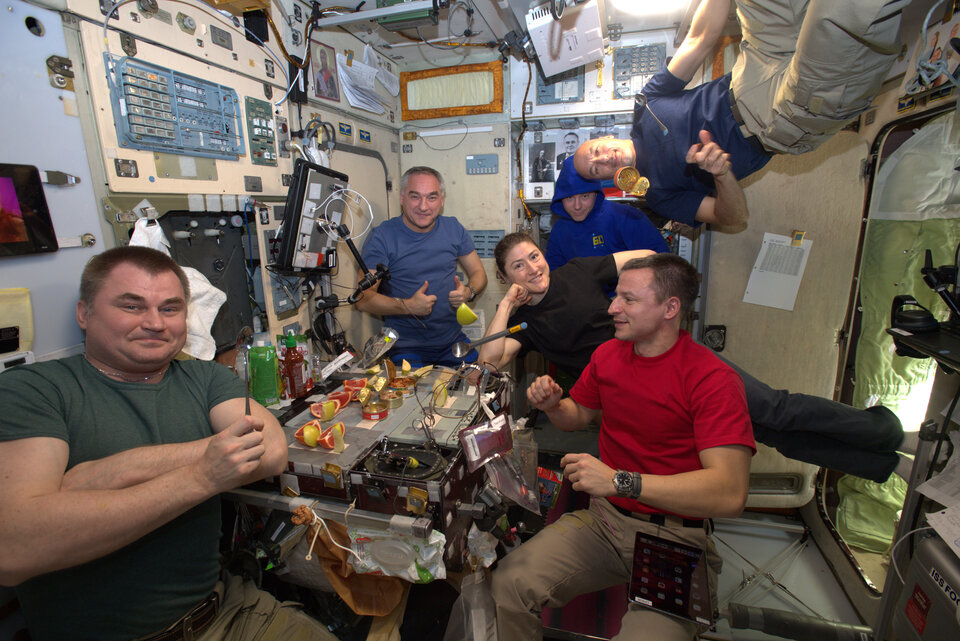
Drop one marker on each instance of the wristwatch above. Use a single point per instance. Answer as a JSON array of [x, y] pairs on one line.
[[473, 294], [623, 483]]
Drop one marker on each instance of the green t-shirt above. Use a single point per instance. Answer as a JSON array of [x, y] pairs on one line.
[[149, 584]]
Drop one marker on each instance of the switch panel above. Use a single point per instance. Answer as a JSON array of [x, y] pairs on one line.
[[483, 164], [159, 109]]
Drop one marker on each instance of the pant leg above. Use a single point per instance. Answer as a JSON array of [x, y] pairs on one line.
[[574, 555], [250, 614], [843, 52], [643, 624], [822, 431]]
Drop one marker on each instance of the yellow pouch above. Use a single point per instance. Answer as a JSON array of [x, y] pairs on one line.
[[16, 311]]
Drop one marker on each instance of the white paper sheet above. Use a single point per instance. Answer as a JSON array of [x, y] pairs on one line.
[[358, 82], [777, 272], [944, 488], [947, 525]]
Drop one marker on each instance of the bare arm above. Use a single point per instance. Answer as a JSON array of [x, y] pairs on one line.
[[141, 464], [705, 29], [476, 279], [729, 206], [621, 258], [503, 350], [717, 490], [565, 413], [373, 302], [35, 510]]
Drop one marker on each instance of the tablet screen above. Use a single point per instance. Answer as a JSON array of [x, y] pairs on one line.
[[671, 578], [25, 226]]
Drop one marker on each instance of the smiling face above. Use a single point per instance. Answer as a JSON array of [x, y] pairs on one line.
[[137, 321], [599, 159], [525, 265], [579, 205], [638, 316], [421, 202], [570, 143]]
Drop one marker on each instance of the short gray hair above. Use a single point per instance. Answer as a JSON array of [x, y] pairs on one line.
[[422, 170]]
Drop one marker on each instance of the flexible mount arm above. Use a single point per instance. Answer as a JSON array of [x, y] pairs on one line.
[[368, 280]]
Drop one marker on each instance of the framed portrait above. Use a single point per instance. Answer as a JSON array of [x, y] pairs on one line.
[[323, 69]]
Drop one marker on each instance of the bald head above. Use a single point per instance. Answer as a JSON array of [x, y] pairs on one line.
[[599, 159]]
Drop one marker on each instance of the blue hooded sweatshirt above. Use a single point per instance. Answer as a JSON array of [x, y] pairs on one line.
[[609, 227]]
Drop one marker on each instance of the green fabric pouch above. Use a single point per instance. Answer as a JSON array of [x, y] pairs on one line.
[[867, 514]]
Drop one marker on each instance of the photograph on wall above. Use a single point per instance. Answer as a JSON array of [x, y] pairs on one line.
[[541, 162], [567, 143], [324, 67]]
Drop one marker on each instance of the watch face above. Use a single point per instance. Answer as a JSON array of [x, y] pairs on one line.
[[622, 482]]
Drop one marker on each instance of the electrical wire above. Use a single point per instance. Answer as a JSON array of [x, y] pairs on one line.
[[928, 71], [197, 4], [893, 549], [317, 519]]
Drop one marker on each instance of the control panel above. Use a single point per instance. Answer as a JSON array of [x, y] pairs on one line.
[[262, 133], [633, 65], [159, 109]]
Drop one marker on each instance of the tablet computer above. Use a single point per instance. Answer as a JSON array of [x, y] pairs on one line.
[[25, 226], [671, 578]]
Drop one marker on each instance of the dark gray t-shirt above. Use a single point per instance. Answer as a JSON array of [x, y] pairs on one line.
[[149, 584]]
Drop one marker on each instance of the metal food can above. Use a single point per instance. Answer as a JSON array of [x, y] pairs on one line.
[[375, 411]]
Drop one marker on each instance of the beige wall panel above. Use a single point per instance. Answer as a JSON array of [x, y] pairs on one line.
[[821, 194], [229, 173], [367, 177]]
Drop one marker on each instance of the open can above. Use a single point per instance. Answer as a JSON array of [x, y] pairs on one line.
[[375, 411]]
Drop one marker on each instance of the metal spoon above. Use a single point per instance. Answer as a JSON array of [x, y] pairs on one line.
[[462, 349], [244, 341]]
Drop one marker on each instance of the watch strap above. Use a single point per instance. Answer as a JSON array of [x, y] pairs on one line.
[[636, 485]]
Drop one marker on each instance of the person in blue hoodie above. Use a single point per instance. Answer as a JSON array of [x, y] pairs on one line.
[[590, 225]]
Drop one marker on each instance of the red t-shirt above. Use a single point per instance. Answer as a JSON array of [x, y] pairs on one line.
[[660, 412]]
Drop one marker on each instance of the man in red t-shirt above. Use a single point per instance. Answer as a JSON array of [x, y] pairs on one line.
[[675, 448]]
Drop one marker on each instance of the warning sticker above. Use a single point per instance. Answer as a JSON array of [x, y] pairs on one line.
[[917, 609]]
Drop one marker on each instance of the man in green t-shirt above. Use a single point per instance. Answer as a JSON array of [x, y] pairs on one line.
[[112, 466]]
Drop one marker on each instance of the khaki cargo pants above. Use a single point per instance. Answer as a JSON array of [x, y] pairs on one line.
[[250, 614], [808, 67]]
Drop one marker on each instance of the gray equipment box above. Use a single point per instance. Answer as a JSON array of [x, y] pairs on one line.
[[929, 605]]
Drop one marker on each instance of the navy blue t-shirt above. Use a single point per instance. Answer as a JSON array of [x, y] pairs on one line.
[[676, 188]]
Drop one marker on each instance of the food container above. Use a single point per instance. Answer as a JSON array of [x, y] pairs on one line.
[[403, 384], [375, 411], [393, 398]]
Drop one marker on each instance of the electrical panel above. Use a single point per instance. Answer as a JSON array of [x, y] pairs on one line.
[[633, 65], [482, 164], [159, 109], [598, 87], [262, 133], [562, 88]]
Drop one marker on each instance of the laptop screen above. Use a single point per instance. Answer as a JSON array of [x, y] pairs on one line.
[[671, 578]]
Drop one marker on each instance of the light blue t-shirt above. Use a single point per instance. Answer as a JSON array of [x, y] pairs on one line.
[[412, 258]]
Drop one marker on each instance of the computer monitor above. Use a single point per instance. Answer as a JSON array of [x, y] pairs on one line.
[[25, 225], [311, 214]]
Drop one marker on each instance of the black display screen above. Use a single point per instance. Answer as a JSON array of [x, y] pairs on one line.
[[25, 225], [672, 578]]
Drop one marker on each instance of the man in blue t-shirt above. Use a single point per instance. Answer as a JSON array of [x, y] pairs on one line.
[[422, 250], [804, 72], [590, 225]]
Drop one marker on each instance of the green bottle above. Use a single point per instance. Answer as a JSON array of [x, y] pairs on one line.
[[264, 374]]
